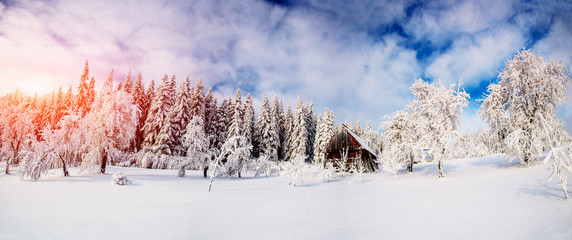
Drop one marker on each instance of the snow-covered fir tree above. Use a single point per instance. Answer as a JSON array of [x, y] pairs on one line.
[[371, 138], [197, 144], [83, 101], [128, 86], [310, 120], [171, 136], [158, 113], [248, 121], [267, 139], [299, 137], [529, 91], [288, 119], [324, 132], [139, 99], [236, 151], [358, 129], [211, 121]]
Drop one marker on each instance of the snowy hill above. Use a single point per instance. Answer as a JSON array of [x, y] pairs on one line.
[[479, 199]]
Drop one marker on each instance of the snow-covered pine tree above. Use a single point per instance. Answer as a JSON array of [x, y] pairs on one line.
[[276, 120], [58, 108], [158, 113], [222, 124], [197, 145], [319, 130], [170, 139], [371, 138], [288, 119], [437, 110], [267, 139], [323, 135], [299, 140], [358, 129], [248, 120], [310, 120], [198, 100], [237, 100], [236, 152], [139, 99], [211, 120], [281, 127], [529, 90], [110, 126], [83, 104], [128, 86]]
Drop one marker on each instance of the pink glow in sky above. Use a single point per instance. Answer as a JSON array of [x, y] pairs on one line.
[[358, 59]]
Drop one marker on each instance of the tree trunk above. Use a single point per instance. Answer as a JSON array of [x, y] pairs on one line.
[[441, 174], [64, 168], [410, 166], [103, 162], [205, 170], [7, 166]]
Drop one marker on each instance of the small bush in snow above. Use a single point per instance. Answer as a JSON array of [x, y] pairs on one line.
[[265, 167], [120, 179], [327, 174], [294, 170]]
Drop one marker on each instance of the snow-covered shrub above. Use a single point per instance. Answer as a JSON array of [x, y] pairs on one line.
[[327, 173], [34, 164], [265, 167], [237, 151], [120, 179], [561, 158], [294, 170]]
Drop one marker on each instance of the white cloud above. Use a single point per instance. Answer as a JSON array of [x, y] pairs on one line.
[[475, 59]]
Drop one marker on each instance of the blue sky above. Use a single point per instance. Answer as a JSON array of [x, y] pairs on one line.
[[356, 57]]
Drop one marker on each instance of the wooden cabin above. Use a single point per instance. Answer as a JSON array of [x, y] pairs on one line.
[[358, 154]]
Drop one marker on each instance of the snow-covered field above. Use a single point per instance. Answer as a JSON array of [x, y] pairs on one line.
[[479, 199]]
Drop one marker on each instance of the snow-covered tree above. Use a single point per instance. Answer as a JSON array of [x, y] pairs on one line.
[[60, 148], [128, 86], [400, 142], [110, 126], [310, 120], [158, 113], [15, 126], [324, 132], [529, 90], [294, 170], [139, 99], [170, 138], [357, 128], [299, 133], [197, 144], [211, 122], [84, 97], [288, 119], [437, 110], [371, 138], [267, 139], [248, 121]]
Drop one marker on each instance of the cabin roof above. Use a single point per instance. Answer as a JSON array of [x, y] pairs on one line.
[[360, 141]]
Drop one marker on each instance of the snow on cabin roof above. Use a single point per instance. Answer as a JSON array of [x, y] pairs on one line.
[[360, 141]]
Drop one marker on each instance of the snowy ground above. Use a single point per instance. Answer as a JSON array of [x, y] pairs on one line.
[[479, 199]]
